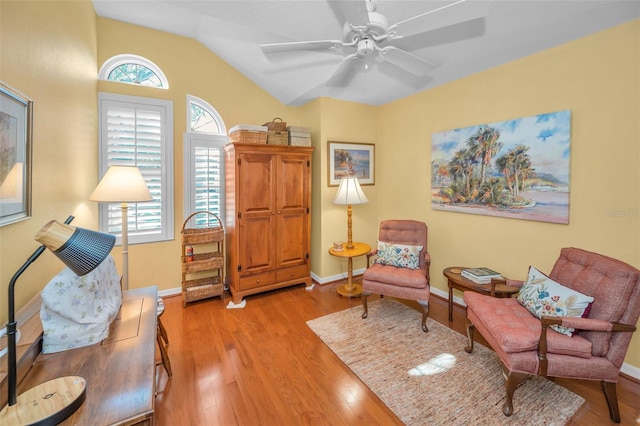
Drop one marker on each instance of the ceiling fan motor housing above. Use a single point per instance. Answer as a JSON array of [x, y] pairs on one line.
[[378, 24], [366, 47]]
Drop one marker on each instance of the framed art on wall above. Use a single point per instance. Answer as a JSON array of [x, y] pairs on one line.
[[351, 159], [517, 169], [15, 155]]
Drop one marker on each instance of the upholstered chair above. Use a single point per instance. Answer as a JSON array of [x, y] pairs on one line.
[[399, 266], [590, 344]]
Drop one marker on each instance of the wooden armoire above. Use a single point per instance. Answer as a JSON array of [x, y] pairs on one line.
[[268, 217]]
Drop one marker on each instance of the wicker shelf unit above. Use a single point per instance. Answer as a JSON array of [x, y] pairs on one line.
[[202, 261]]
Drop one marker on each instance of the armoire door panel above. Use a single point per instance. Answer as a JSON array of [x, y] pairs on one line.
[[256, 244], [292, 182], [256, 183], [292, 238]]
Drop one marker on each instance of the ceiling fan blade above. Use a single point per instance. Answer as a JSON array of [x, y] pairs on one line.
[[345, 71], [353, 12], [460, 11], [405, 60], [301, 45], [450, 34]]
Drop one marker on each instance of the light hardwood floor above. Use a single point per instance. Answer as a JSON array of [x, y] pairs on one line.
[[262, 365]]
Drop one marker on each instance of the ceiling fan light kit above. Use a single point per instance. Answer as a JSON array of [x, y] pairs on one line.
[[371, 35]]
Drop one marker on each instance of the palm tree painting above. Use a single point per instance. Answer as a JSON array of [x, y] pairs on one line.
[[517, 168]]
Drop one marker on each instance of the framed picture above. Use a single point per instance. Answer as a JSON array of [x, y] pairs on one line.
[[517, 168], [15, 155], [351, 159]]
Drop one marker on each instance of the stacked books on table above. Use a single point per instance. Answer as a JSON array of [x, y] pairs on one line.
[[480, 275]]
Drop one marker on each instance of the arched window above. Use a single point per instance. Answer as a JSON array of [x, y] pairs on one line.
[[203, 118], [133, 69], [203, 162]]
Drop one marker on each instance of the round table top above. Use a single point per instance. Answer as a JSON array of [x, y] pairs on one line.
[[358, 249]]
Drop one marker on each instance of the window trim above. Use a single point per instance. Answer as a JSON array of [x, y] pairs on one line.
[[166, 176], [117, 60]]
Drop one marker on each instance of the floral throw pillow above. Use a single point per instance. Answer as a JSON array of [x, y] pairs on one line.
[[398, 255], [543, 296]]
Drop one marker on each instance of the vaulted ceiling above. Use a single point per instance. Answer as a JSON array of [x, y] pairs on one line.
[[456, 39]]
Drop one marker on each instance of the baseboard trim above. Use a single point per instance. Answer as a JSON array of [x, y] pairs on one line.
[[631, 371], [333, 278], [170, 292]]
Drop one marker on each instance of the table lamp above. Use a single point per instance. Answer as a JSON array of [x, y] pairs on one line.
[[51, 402], [349, 192], [122, 184]]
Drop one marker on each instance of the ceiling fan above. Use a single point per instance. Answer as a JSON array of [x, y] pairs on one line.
[[367, 33]]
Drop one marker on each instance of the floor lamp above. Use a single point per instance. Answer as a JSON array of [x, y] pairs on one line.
[[349, 192], [122, 184], [51, 402]]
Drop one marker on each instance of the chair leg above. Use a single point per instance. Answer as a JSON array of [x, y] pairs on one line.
[[164, 356], [470, 329], [363, 297], [425, 313], [511, 382], [611, 396], [163, 331]]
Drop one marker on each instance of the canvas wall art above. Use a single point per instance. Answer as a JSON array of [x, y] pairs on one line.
[[517, 168]]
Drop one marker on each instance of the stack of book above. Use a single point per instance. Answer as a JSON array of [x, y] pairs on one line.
[[480, 275]]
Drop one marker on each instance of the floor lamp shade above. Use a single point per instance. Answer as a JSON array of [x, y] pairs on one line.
[[350, 192], [122, 184], [51, 402]]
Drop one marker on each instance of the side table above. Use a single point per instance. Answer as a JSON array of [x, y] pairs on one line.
[[457, 281], [359, 249]]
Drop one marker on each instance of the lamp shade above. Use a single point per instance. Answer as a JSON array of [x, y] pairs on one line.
[[121, 184], [350, 192], [82, 250]]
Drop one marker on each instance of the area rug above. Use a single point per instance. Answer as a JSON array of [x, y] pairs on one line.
[[428, 378]]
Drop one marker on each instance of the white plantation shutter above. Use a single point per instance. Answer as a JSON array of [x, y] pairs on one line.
[[204, 177], [138, 132]]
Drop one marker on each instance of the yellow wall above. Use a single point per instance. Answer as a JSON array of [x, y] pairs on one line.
[[52, 51], [48, 52], [341, 122], [598, 79]]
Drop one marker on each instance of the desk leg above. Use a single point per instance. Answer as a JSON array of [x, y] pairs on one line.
[[450, 301], [349, 289]]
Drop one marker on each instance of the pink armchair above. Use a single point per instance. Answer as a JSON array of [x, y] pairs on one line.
[[401, 269], [528, 346]]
